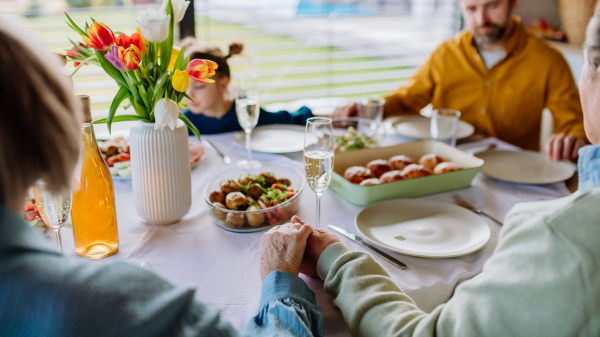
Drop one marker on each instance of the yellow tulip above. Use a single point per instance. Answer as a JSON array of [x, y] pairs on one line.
[[174, 55], [144, 42], [181, 80]]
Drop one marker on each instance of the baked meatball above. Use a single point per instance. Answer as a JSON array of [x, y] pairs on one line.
[[430, 161], [269, 178], [235, 200], [356, 174], [247, 179], [235, 220], [217, 213], [415, 171], [400, 162], [255, 219], [255, 190], [379, 167], [447, 167], [388, 177], [284, 181], [369, 182], [217, 196], [229, 186]]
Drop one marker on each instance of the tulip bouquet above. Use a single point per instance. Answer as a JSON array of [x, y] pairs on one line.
[[150, 73]]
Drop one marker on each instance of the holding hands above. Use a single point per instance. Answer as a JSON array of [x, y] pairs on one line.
[[293, 248]]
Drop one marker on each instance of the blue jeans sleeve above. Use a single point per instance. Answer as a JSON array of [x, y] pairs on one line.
[[287, 308]]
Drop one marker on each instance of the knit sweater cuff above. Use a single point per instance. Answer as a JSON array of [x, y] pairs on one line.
[[328, 257]]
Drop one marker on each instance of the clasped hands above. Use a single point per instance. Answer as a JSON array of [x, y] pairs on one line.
[[294, 248]]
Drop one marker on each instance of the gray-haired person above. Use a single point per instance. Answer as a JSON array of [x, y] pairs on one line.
[[43, 293]]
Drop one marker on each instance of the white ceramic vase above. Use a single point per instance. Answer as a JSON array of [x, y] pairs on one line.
[[161, 172]]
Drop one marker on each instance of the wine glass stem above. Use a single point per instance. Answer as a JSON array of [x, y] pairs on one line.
[[248, 133], [58, 239], [318, 213]]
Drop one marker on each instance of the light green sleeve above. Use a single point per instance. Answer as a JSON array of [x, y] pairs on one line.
[[537, 283]]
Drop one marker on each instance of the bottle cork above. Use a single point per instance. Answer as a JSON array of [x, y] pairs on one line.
[[86, 105]]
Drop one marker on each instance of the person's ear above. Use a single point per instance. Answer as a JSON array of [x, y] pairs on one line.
[[224, 82]]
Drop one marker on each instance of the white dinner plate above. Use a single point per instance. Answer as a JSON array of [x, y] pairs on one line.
[[418, 127], [129, 178], [525, 167], [423, 228], [277, 138]]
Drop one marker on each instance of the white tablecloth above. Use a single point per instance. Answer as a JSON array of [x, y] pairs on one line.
[[223, 266]]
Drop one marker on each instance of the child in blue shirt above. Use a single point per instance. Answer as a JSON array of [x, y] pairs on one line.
[[214, 109]]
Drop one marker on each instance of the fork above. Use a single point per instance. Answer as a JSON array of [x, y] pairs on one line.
[[460, 201]]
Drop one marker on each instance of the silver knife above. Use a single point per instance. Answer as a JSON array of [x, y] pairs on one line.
[[225, 157], [361, 242]]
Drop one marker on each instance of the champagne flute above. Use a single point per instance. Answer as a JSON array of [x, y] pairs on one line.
[[54, 209], [247, 109], [318, 157]]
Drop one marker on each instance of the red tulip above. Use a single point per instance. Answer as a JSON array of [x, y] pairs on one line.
[[131, 57], [200, 70], [125, 41], [100, 37], [69, 53]]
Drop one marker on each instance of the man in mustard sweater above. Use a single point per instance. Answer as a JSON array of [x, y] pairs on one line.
[[500, 77]]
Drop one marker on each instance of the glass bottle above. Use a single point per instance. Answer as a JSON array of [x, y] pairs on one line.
[[93, 211]]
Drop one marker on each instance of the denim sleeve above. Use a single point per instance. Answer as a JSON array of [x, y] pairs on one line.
[[287, 308], [284, 117]]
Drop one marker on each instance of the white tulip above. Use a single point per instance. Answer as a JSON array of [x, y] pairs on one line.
[[154, 24], [179, 8], [166, 113]]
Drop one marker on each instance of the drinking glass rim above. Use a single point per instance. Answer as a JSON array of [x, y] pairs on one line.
[[368, 100], [319, 120], [445, 112]]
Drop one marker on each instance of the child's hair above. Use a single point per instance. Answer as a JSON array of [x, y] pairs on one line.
[[213, 53]]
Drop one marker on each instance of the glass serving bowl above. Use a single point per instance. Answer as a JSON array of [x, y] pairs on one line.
[[264, 218], [353, 133]]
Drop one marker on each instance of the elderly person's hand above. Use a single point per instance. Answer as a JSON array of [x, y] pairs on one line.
[[562, 146], [316, 244], [346, 111], [282, 248]]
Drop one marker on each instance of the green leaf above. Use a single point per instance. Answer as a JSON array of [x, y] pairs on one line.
[[121, 95], [179, 60], [188, 96], [117, 32], [92, 19], [74, 26], [110, 69], [140, 109], [189, 124], [151, 65], [166, 47], [160, 83], [187, 61], [122, 118], [159, 94], [83, 63], [83, 50]]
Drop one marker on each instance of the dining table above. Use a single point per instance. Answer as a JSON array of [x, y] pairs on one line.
[[223, 265]]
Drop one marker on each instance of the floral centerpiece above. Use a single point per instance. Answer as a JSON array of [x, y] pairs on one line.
[[153, 77], [150, 73]]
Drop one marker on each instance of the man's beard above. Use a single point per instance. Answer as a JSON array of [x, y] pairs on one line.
[[491, 37]]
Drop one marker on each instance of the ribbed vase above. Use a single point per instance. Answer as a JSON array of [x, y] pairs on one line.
[[161, 172]]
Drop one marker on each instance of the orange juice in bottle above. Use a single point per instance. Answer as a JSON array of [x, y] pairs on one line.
[[93, 212]]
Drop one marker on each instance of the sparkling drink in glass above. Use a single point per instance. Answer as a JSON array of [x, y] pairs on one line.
[[247, 109], [54, 209], [319, 143], [444, 125]]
